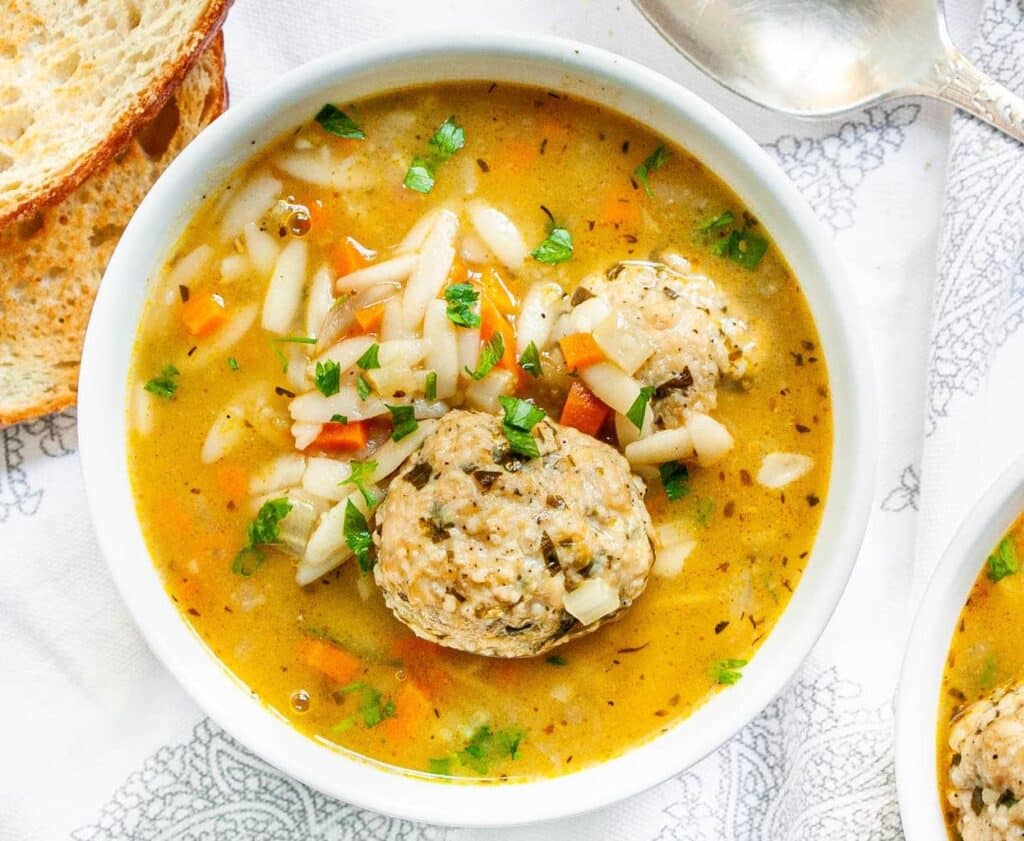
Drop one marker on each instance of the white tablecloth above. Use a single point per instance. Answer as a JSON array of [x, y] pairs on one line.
[[99, 742]]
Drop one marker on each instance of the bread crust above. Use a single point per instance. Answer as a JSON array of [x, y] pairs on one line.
[[147, 105]]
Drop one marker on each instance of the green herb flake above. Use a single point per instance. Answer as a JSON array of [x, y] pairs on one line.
[[556, 660], [232, 363], [403, 421], [743, 247], [444, 142], [556, 247], [656, 160], [989, 672], [1003, 561], [373, 707], [359, 474], [530, 361], [448, 139], [328, 377], [368, 361], [294, 340], [705, 508], [440, 765], [713, 223], [420, 177], [165, 385], [363, 388], [521, 416], [727, 672], [430, 386], [357, 536], [490, 355], [263, 530], [675, 478], [343, 726], [636, 412], [333, 119], [339, 419], [462, 298]]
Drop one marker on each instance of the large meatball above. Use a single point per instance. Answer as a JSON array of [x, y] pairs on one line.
[[685, 318], [478, 547], [987, 774]]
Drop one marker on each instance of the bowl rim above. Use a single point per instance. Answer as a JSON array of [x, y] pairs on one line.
[[917, 698], [342, 774]]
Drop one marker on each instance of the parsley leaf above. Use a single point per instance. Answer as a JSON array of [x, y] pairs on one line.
[[656, 160], [448, 138], [444, 142], [430, 386], [556, 660], [461, 297], [530, 360], [295, 340], [490, 355], [556, 247], [521, 416], [359, 473], [420, 177], [357, 537], [333, 119], [722, 220], [165, 385], [639, 408], [368, 361], [339, 419], [328, 377], [363, 388], [441, 765], [372, 706], [264, 529], [486, 745], [726, 672], [675, 478], [743, 247], [1003, 561], [705, 508], [403, 421], [232, 363]]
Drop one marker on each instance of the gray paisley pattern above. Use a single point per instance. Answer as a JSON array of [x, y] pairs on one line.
[[906, 494], [980, 285], [53, 437]]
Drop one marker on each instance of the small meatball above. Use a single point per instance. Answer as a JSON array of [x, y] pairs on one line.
[[987, 772], [683, 315], [476, 547]]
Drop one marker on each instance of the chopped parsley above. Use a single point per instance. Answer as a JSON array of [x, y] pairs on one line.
[[373, 707], [232, 363], [363, 388], [264, 529], [461, 298], [368, 361], [705, 508], [357, 536], [741, 245], [359, 474], [556, 660], [490, 355], [328, 377], [444, 142], [675, 478], [555, 248], [440, 765], [989, 671], [295, 340], [430, 386], [165, 385], [339, 419], [484, 747], [530, 360], [403, 421], [727, 672], [521, 416], [656, 160], [333, 119], [636, 412], [713, 223], [1003, 561]]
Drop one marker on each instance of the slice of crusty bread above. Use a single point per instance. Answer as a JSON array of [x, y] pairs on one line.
[[51, 262], [77, 77]]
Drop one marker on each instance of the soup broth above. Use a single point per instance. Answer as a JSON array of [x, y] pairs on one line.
[[329, 656]]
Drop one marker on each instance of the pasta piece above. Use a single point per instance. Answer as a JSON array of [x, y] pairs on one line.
[[187, 271], [261, 247], [346, 352], [395, 271], [319, 301], [234, 267], [285, 471], [284, 294], [611, 385], [499, 233], [413, 241], [323, 477], [443, 349], [434, 265], [660, 447], [305, 433], [215, 348], [313, 407], [711, 440], [249, 204], [483, 394], [392, 453], [541, 307], [226, 432], [326, 549], [779, 469]]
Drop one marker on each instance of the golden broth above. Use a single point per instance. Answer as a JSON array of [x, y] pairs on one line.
[[589, 699], [984, 653]]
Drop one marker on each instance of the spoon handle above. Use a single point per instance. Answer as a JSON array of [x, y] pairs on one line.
[[960, 83]]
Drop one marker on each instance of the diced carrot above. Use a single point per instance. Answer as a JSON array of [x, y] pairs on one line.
[[519, 155], [458, 273], [582, 410], [412, 708], [329, 659], [621, 210], [370, 318], [491, 322], [233, 480], [202, 314], [341, 436], [424, 663], [348, 254], [317, 214], [497, 291], [580, 350]]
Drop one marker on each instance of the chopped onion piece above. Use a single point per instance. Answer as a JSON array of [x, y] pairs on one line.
[[423, 409], [499, 233], [284, 294], [710, 439], [313, 407], [669, 558], [443, 349], [297, 524], [395, 381], [431, 272], [305, 433], [285, 471], [483, 394], [779, 469], [226, 433], [319, 301], [587, 315], [611, 385], [661, 446], [323, 477], [592, 600], [541, 307], [622, 342], [395, 270], [627, 433], [248, 205], [262, 248]]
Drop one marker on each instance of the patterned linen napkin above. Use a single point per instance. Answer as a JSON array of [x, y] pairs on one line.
[[101, 744]]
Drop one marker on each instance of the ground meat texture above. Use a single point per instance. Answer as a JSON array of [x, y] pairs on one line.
[[685, 316], [479, 556], [986, 775]]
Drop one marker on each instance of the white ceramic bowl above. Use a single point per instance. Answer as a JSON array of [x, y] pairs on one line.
[[917, 705], [555, 64]]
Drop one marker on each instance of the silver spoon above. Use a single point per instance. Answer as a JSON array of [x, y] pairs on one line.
[[819, 58]]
